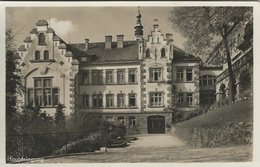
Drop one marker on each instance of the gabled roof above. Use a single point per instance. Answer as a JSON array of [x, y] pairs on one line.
[[98, 52], [181, 56]]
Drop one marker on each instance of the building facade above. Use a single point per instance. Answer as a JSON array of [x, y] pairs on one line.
[[136, 83], [241, 48]]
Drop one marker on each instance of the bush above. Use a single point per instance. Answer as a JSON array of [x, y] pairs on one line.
[[83, 145]]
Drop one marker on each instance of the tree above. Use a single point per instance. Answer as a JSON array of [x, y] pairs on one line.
[[60, 116], [14, 85], [204, 27]]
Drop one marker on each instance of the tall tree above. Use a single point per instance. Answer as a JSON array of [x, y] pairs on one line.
[[204, 27], [13, 84]]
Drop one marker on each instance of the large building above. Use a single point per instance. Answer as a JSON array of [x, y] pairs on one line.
[[241, 49], [136, 83]]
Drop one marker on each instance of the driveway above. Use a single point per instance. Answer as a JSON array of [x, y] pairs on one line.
[[160, 148], [156, 141]]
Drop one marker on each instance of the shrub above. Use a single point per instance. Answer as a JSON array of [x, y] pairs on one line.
[[83, 145]]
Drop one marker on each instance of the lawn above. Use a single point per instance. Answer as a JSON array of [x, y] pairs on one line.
[[238, 112]]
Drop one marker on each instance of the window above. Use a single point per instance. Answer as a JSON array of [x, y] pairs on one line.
[[37, 55], [189, 74], [156, 74], [41, 39], [163, 53], [38, 96], [30, 96], [46, 55], [84, 59], [85, 77], [110, 100], [132, 100], [179, 76], [189, 99], [38, 83], [132, 122], [47, 97], [121, 100], [147, 53], [43, 93], [109, 76], [121, 120], [97, 77], [208, 80], [132, 76], [207, 98], [85, 101], [47, 83], [121, 76], [97, 101], [55, 93], [180, 99], [156, 99]]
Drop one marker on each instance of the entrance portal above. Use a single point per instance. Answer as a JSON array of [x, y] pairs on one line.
[[156, 124]]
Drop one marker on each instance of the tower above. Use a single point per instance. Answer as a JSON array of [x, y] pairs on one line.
[[138, 26]]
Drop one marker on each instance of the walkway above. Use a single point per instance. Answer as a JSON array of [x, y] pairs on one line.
[[160, 148], [156, 141]]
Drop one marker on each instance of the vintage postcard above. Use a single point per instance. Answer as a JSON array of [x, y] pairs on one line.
[[156, 82]]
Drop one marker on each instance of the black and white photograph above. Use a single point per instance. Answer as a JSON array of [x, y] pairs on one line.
[[129, 84]]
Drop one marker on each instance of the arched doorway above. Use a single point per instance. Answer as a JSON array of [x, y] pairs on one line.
[[156, 124]]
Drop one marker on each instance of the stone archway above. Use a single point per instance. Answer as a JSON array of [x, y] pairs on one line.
[[156, 124]]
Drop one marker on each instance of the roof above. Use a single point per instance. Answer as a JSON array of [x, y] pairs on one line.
[[56, 38], [99, 54], [27, 40], [68, 54], [42, 23], [62, 46], [34, 31], [180, 55], [50, 30], [22, 48]]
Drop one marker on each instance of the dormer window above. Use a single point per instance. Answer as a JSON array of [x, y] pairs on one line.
[[46, 55], [37, 55], [41, 39], [147, 53], [163, 53]]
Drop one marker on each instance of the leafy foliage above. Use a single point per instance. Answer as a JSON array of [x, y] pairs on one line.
[[13, 84], [204, 27], [60, 116]]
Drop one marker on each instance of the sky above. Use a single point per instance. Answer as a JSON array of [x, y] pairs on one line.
[[74, 24]]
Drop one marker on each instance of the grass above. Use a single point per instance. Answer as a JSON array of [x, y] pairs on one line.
[[238, 112]]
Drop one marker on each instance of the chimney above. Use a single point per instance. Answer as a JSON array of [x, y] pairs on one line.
[[108, 42], [155, 23], [120, 41], [86, 44], [168, 36]]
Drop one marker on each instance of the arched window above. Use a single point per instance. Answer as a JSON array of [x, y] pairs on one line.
[[37, 55], [207, 80], [163, 52], [46, 55], [41, 38], [147, 53]]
